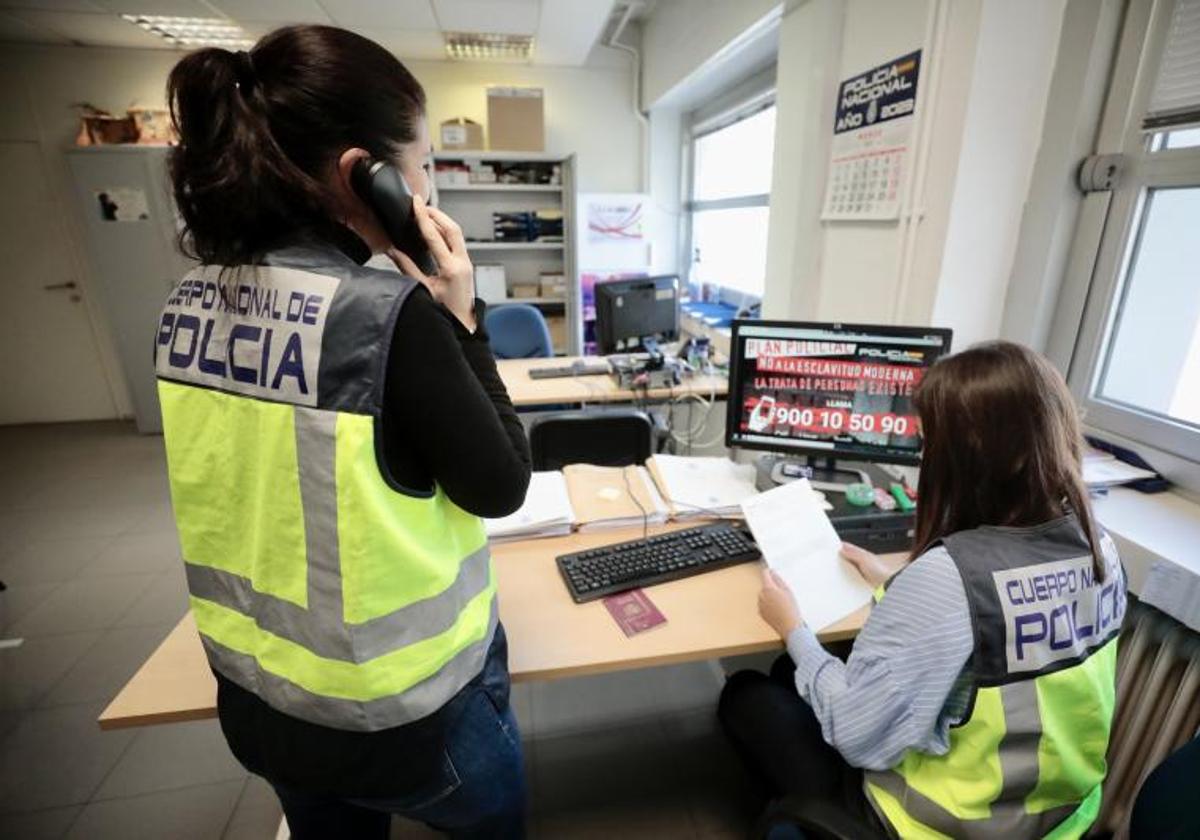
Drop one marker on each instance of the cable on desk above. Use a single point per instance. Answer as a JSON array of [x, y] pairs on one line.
[[693, 430], [641, 507]]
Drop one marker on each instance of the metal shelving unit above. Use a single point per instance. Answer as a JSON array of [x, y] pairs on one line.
[[515, 246], [501, 188], [540, 301], [472, 206]]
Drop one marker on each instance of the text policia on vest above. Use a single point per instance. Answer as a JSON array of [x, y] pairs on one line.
[[1054, 610], [260, 334]]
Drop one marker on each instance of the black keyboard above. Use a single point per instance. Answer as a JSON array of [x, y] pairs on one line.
[[600, 368], [603, 571]]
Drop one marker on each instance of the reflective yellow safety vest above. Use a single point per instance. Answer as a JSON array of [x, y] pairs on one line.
[[317, 582], [1028, 758]]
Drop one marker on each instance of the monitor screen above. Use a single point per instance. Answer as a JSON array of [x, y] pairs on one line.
[[628, 311], [838, 390]]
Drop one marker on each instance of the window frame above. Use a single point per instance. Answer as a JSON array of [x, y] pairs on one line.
[[738, 103], [1106, 244]]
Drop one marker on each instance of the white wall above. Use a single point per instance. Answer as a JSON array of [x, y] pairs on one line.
[[1010, 81], [860, 261], [1079, 87], [589, 111], [46, 82], [806, 87], [986, 67], [680, 36], [664, 189]]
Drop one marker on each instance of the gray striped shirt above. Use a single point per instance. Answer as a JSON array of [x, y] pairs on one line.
[[906, 682]]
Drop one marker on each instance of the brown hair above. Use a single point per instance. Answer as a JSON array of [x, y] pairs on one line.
[[1002, 446], [258, 130]]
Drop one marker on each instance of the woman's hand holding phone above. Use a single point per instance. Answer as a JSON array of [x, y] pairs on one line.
[[454, 284]]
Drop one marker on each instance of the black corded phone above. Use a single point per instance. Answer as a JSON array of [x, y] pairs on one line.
[[385, 191]]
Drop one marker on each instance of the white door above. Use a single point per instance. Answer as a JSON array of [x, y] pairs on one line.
[[50, 369]]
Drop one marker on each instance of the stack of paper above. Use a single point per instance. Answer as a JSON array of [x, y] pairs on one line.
[[1103, 469], [547, 511], [798, 541], [613, 497], [698, 487]]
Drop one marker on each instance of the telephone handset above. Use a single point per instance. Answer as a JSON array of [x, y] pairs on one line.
[[385, 191]]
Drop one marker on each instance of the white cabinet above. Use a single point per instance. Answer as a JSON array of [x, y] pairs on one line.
[[129, 222]]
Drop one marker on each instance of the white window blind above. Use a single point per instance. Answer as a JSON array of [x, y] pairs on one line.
[[1176, 96]]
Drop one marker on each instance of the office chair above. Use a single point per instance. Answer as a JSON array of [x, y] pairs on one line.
[[518, 331], [1166, 804], [792, 818], [609, 438]]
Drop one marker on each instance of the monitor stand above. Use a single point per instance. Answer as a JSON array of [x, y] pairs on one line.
[[822, 473]]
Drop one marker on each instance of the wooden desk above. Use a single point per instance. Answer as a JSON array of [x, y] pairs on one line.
[[549, 635], [525, 391]]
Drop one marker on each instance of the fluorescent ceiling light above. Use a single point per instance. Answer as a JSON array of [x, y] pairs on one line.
[[488, 46], [194, 32]]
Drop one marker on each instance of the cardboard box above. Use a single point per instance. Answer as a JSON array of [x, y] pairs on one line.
[[553, 285], [462, 133], [451, 176], [558, 331], [525, 290], [516, 119]]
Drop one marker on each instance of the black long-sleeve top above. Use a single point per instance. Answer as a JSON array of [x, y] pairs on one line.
[[446, 419]]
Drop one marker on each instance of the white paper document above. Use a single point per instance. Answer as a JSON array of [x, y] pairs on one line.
[[546, 511], [1102, 469], [697, 487], [797, 540]]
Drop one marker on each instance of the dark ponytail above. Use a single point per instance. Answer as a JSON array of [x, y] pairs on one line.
[[258, 132]]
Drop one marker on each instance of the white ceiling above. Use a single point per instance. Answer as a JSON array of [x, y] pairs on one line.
[[564, 31]]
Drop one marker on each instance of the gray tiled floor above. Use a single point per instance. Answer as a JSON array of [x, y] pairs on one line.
[[89, 553]]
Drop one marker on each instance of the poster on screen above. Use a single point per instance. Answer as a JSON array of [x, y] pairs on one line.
[[614, 234], [872, 133]]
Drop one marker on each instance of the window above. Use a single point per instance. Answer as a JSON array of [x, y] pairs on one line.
[[1184, 138], [729, 201], [1152, 360], [1136, 366]]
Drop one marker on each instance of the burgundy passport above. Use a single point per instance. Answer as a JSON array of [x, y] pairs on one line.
[[634, 612]]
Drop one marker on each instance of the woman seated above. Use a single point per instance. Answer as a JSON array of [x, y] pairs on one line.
[[977, 700]]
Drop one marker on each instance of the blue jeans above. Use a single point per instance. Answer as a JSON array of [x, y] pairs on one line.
[[478, 790]]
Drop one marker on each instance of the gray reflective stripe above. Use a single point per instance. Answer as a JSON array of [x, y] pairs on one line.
[[316, 453], [1018, 755], [1018, 749], [420, 700], [1007, 820], [326, 635]]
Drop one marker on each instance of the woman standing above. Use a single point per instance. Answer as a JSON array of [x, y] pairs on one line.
[[334, 434], [977, 700]]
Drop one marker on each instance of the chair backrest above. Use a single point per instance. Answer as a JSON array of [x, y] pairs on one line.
[[608, 438], [518, 331]]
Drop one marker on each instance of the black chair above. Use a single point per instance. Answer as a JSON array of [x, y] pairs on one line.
[[1166, 805], [606, 438], [790, 817]]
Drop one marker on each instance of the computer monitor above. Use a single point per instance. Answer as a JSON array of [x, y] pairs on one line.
[[630, 311], [829, 390]]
